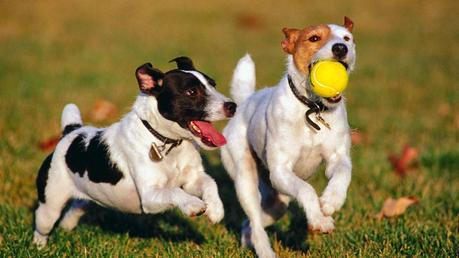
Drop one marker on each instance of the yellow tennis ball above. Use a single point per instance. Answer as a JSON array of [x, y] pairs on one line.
[[328, 78]]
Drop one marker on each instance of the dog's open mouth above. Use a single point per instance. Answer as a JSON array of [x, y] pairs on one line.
[[313, 63], [207, 132], [334, 99], [338, 97], [344, 64]]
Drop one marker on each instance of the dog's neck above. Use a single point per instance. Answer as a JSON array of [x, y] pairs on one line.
[[300, 80], [146, 108]]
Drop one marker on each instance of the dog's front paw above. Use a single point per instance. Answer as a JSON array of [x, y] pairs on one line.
[[193, 207], [322, 224], [215, 211], [39, 240], [330, 203]]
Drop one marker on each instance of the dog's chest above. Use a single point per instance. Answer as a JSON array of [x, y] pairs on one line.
[[316, 146], [309, 158], [171, 170]]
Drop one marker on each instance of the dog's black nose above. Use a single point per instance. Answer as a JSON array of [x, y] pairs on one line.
[[339, 50], [229, 108]]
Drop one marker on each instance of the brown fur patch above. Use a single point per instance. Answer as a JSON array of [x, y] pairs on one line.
[[348, 23], [302, 46]]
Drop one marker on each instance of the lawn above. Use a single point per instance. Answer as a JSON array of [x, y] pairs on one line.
[[404, 91]]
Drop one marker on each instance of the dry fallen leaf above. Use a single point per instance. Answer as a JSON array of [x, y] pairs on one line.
[[102, 110], [48, 145], [405, 161], [443, 109], [357, 138], [392, 208], [249, 21]]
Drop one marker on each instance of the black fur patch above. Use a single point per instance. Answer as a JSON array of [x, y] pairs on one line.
[[76, 155], [185, 63], [173, 102], [69, 128], [94, 159], [42, 177]]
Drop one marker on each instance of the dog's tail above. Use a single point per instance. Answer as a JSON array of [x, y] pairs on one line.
[[71, 119], [243, 82]]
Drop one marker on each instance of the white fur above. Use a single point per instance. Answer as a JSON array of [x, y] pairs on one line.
[[271, 123], [337, 36], [70, 115], [179, 180], [243, 82]]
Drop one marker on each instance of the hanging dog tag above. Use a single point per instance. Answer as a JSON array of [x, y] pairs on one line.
[[322, 120], [155, 152]]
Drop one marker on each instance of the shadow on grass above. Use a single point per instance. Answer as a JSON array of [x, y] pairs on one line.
[[168, 225], [293, 237]]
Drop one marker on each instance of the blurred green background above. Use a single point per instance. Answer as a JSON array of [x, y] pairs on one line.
[[404, 91]]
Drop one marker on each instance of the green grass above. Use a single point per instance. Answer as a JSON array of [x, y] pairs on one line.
[[52, 53]]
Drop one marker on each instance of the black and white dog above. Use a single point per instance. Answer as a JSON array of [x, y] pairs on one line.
[[147, 162]]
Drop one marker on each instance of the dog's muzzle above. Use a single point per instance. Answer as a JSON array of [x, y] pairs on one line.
[[339, 51]]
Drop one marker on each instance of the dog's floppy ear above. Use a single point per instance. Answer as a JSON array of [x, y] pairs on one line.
[[150, 79], [291, 36], [348, 23], [184, 63]]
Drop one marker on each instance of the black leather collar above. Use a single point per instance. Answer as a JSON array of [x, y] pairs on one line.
[[165, 140], [314, 106]]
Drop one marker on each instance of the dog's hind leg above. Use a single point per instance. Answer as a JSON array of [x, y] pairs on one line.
[[54, 192], [274, 204], [243, 170], [72, 216]]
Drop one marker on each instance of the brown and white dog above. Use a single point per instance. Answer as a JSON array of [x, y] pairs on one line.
[[272, 149]]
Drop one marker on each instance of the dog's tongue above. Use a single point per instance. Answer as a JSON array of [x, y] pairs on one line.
[[210, 133]]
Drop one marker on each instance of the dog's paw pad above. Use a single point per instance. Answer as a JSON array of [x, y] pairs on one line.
[[194, 207], [198, 213]]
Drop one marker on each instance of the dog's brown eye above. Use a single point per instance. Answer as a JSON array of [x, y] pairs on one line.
[[190, 92], [314, 38], [346, 38]]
